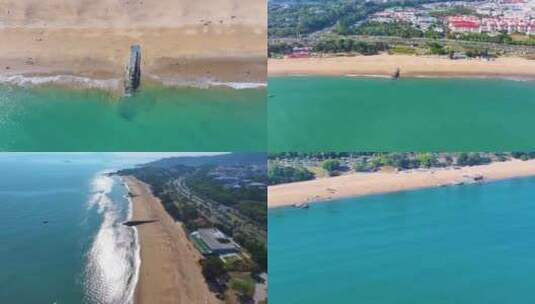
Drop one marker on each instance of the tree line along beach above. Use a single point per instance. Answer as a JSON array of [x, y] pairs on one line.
[[329, 63], [128, 241], [383, 179], [400, 226], [165, 276], [379, 151], [450, 244]]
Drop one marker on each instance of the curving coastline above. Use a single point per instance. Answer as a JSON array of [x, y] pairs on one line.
[[112, 267], [170, 271], [361, 184]]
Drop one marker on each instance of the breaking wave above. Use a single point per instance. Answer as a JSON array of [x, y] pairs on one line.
[[241, 85], [25, 81], [206, 83], [113, 261]]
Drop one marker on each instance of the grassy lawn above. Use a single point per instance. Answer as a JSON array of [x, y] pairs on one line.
[[243, 284], [402, 50]]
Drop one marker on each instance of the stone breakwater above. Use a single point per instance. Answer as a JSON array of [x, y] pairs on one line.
[[133, 71]]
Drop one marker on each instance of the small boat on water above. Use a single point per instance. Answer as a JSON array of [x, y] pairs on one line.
[[301, 205]]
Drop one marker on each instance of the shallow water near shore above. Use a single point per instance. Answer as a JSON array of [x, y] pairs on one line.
[[466, 244], [62, 237], [411, 114], [157, 118]]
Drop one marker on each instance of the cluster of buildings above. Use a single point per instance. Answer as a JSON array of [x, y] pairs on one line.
[[487, 16], [473, 24], [418, 17], [239, 176], [504, 8]]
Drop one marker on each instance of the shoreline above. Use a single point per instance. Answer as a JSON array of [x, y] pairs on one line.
[[137, 256], [384, 65], [169, 270], [363, 184], [115, 85], [197, 55], [388, 77]]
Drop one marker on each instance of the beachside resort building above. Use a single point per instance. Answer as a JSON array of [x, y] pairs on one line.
[[211, 241], [464, 24]]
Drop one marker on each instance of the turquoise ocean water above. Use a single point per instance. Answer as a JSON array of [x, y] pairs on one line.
[[364, 114], [455, 245], [155, 119], [61, 235]]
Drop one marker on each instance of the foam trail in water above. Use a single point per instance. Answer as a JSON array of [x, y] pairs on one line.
[[240, 85], [113, 261], [137, 248], [24, 81], [207, 83]]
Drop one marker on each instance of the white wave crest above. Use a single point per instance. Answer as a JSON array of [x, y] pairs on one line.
[[113, 261], [137, 254], [101, 186], [240, 85], [70, 80], [206, 83]]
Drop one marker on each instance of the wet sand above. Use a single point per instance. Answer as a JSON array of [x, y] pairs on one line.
[[361, 184], [411, 66], [170, 271]]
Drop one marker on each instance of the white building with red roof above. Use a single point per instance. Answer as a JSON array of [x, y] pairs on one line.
[[472, 24], [464, 24]]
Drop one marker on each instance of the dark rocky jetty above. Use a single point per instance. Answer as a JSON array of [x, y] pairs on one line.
[[133, 71], [396, 74], [136, 223]]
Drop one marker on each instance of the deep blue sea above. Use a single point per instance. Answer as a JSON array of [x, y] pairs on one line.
[[61, 237], [456, 245]]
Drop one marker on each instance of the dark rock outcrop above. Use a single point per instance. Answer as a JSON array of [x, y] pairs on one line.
[[133, 71], [136, 223]]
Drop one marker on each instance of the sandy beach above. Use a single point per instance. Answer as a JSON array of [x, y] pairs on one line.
[[182, 41], [360, 184], [410, 66], [170, 271]]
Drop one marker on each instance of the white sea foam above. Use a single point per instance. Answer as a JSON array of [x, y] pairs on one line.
[[137, 248], [69, 80], [367, 76], [101, 186], [491, 77], [241, 85], [206, 83], [113, 261]]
